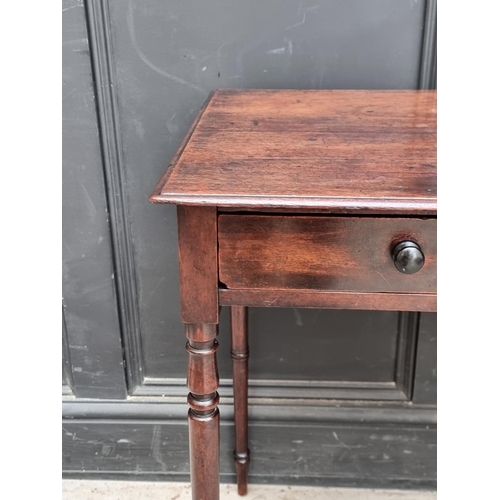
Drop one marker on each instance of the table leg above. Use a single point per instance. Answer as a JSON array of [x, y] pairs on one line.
[[203, 415], [239, 353]]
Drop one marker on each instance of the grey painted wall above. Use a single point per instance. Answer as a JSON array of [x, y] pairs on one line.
[[135, 74]]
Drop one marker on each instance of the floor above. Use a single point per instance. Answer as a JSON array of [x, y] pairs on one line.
[[128, 490]]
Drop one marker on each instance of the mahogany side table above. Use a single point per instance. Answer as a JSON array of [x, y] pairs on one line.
[[321, 199]]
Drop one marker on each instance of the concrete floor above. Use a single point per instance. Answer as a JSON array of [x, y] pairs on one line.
[[128, 490]]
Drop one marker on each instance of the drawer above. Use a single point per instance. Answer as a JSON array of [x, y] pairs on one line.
[[324, 252]]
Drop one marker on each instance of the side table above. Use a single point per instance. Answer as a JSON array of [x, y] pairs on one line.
[[286, 198]]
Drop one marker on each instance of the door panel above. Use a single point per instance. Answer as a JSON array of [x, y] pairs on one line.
[[89, 299], [168, 56]]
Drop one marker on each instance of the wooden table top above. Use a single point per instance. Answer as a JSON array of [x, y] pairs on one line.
[[321, 150]]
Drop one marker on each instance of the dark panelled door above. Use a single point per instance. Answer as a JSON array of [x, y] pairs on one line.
[[326, 411]]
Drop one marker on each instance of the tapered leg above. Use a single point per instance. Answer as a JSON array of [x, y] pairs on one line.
[[203, 415], [239, 353]]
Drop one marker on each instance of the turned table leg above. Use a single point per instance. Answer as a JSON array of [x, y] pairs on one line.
[[239, 353], [198, 275], [203, 414]]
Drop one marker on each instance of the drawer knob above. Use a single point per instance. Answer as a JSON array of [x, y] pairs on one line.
[[408, 257]]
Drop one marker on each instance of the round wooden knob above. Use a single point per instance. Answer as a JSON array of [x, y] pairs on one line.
[[408, 257]]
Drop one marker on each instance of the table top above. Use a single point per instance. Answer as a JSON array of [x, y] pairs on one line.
[[320, 150]]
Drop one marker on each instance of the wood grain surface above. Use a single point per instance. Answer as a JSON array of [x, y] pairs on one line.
[[197, 230], [339, 150], [384, 301], [323, 253]]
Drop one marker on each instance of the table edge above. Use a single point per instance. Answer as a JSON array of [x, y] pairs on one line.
[[395, 206]]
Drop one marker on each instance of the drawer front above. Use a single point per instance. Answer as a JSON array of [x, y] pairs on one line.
[[323, 253]]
